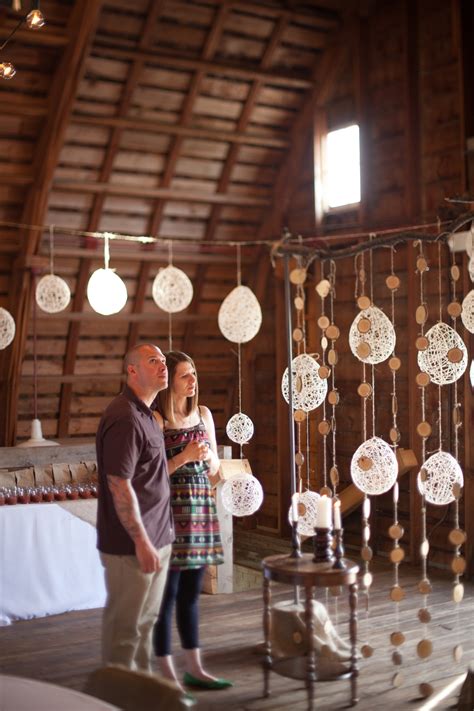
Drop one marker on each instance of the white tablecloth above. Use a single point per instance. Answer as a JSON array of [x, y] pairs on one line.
[[18, 694], [48, 563]]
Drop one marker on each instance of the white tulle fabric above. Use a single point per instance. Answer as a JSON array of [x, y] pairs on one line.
[[309, 390], [382, 475], [434, 360], [381, 336], [442, 471]]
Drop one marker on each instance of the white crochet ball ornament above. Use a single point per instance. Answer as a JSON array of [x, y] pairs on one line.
[[172, 290], [435, 359], [242, 495], [7, 328], [239, 428], [240, 315], [441, 471], [380, 337], [374, 467], [52, 294], [467, 313], [309, 390], [306, 513]]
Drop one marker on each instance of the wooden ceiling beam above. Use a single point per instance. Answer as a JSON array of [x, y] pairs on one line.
[[124, 316], [81, 28]]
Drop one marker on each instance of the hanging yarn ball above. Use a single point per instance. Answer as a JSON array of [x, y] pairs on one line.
[[52, 294], [239, 428], [106, 292], [306, 513], [374, 466], [240, 315], [374, 341], [242, 495], [309, 390], [436, 478], [7, 328], [172, 289], [445, 359], [467, 311]]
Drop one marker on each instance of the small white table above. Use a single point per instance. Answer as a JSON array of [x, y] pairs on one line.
[[19, 694], [49, 563]]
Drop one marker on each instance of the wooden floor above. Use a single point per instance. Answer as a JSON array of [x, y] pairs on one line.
[[64, 649]]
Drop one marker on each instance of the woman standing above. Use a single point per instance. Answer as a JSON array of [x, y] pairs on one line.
[[191, 451]]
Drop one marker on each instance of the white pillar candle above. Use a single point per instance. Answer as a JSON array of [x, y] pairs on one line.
[[337, 515], [294, 506], [323, 512]]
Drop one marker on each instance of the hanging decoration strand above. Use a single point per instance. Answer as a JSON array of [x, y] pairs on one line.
[[51, 249]]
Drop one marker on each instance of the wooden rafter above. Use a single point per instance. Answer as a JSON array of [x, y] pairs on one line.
[[81, 29]]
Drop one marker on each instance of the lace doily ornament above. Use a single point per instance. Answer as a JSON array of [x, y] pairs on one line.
[[239, 429], [467, 313], [445, 359], [306, 513], [242, 495], [240, 315], [372, 336], [106, 292], [309, 390], [7, 328], [52, 294], [374, 467], [172, 289], [437, 476]]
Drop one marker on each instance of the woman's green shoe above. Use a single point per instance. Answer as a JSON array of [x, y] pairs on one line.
[[191, 680]]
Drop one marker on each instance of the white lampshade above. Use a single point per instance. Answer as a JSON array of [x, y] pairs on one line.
[[37, 439], [106, 292]]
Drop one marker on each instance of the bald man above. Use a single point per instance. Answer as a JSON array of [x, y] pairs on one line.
[[134, 519]]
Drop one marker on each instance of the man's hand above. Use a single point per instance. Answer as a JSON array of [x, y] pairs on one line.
[[147, 556]]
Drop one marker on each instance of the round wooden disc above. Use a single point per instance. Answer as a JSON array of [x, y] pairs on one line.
[[397, 658], [366, 533], [299, 415], [333, 332], [424, 548], [422, 343], [457, 537], [458, 652], [455, 272], [424, 587], [299, 384], [366, 507], [394, 435], [364, 325], [455, 355], [458, 592], [392, 281], [421, 314], [323, 288], [325, 491], [422, 379], [332, 357], [299, 303], [298, 276], [397, 555], [397, 680], [397, 593], [365, 463], [324, 343], [397, 638], [334, 476], [454, 309], [364, 390], [458, 565], [298, 335], [423, 474], [394, 363], [335, 590], [323, 322], [421, 264], [324, 372], [425, 690], [395, 531], [394, 405], [456, 415], [297, 637], [363, 349], [366, 553], [424, 429], [366, 651], [457, 490], [299, 458], [301, 509], [424, 615], [424, 648], [362, 275], [324, 427], [363, 302], [333, 397]]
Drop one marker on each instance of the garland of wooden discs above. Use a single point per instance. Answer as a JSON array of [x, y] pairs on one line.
[[397, 554]]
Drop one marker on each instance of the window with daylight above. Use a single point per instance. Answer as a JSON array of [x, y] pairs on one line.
[[341, 170]]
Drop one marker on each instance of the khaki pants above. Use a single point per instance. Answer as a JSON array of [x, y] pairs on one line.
[[132, 606]]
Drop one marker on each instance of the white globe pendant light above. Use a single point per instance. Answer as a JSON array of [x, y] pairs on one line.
[[106, 292]]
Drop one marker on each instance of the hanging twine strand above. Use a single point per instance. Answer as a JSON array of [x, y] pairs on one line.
[[51, 249]]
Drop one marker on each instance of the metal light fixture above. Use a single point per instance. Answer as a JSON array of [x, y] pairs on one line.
[[7, 70], [34, 20], [106, 292]]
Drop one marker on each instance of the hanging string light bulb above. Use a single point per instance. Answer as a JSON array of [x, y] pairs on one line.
[[52, 293], [7, 70], [35, 18], [106, 292], [34, 21]]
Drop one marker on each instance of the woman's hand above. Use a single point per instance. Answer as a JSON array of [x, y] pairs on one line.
[[196, 451]]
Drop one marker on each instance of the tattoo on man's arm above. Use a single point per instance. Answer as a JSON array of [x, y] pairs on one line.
[[126, 506]]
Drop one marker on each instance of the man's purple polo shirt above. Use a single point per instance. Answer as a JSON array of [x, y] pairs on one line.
[[130, 445]]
